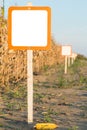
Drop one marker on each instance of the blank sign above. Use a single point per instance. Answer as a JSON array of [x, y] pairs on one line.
[[66, 50], [29, 27]]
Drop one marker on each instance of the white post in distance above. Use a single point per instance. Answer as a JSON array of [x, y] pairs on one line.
[[68, 61], [65, 65], [72, 59]]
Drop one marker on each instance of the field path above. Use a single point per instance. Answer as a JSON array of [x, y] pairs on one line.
[[58, 98]]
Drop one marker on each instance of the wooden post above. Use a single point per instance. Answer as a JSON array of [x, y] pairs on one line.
[[65, 64], [30, 82]]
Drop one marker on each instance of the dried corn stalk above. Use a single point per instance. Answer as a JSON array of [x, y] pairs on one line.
[[13, 63]]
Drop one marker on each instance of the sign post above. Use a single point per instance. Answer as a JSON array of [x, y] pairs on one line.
[[30, 82], [65, 65], [73, 57], [30, 85], [66, 51], [68, 61], [32, 32]]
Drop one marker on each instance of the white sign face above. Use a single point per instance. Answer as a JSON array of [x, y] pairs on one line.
[[66, 50], [28, 27]]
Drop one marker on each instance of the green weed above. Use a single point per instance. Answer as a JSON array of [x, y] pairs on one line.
[[45, 67], [38, 97], [47, 118], [73, 128], [1, 125]]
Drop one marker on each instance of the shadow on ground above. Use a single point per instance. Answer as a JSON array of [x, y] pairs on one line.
[[11, 124]]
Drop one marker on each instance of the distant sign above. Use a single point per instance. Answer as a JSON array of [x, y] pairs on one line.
[[74, 55], [29, 27], [66, 50]]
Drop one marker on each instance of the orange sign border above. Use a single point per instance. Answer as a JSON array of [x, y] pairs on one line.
[[48, 9]]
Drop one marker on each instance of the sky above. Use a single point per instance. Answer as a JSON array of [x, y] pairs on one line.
[[69, 21]]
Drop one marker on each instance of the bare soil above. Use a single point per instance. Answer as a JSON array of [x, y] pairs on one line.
[[56, 101]]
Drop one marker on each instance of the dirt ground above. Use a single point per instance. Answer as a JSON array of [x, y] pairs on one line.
[[67, 107]]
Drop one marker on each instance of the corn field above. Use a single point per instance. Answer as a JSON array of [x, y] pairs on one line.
[[13, 64]]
